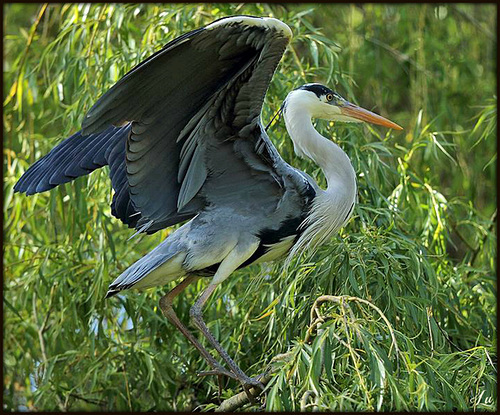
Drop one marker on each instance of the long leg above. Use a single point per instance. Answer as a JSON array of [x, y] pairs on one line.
[[166, 307], [228, 265]]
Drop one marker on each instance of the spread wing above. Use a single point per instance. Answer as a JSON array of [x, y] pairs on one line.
[[181, 131]]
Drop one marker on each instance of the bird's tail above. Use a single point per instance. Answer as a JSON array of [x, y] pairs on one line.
[[160, 266]]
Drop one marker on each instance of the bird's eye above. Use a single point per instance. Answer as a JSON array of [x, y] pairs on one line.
[[329, 97]]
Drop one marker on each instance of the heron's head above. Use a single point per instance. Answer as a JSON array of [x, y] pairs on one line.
[[320, 101]]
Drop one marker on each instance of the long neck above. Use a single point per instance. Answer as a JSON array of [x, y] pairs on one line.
[[333, 161]]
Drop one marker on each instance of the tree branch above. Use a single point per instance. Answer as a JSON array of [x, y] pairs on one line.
[[40, 330], [241, 399]]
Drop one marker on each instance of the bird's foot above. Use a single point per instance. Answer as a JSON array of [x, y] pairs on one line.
[[252, 387], [253, 382]]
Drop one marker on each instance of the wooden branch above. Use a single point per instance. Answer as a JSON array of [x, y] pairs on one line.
[[241, 399]]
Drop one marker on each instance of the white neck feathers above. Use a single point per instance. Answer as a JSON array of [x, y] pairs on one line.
[[307, 142], [331, 208]]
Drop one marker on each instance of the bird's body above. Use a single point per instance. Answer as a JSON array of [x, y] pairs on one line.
[[182, 135], [200, 245]]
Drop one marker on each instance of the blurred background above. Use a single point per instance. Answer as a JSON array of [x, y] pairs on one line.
[[421, 246]]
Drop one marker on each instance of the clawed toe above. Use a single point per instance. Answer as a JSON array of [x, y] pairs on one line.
[[251, 386], [255, 383]]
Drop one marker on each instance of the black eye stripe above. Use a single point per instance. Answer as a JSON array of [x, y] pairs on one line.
[[318, 89], [321, 91]]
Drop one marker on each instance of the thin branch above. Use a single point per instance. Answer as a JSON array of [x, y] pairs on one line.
[[474, 22], [454, 227], [15, 89], [399, 56], [297, 61], [339, 300], [480, 244], [88, 400], [445, 335], [40, 331], [303, 401], [29, 41], [241, 399], [96, 26]]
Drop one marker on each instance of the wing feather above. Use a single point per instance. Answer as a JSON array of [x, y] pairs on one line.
[[214, 80], [186, 110]]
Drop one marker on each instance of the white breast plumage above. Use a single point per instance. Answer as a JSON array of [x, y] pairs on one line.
[[331, 209]]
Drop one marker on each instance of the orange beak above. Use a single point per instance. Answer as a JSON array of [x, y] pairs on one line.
[[361, 114]]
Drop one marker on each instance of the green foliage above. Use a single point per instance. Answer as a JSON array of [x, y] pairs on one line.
[[410, 323]]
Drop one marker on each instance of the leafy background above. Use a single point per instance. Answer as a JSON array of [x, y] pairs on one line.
[[420, 249]]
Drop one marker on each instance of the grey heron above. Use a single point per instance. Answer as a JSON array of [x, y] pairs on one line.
[[182, 135]]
